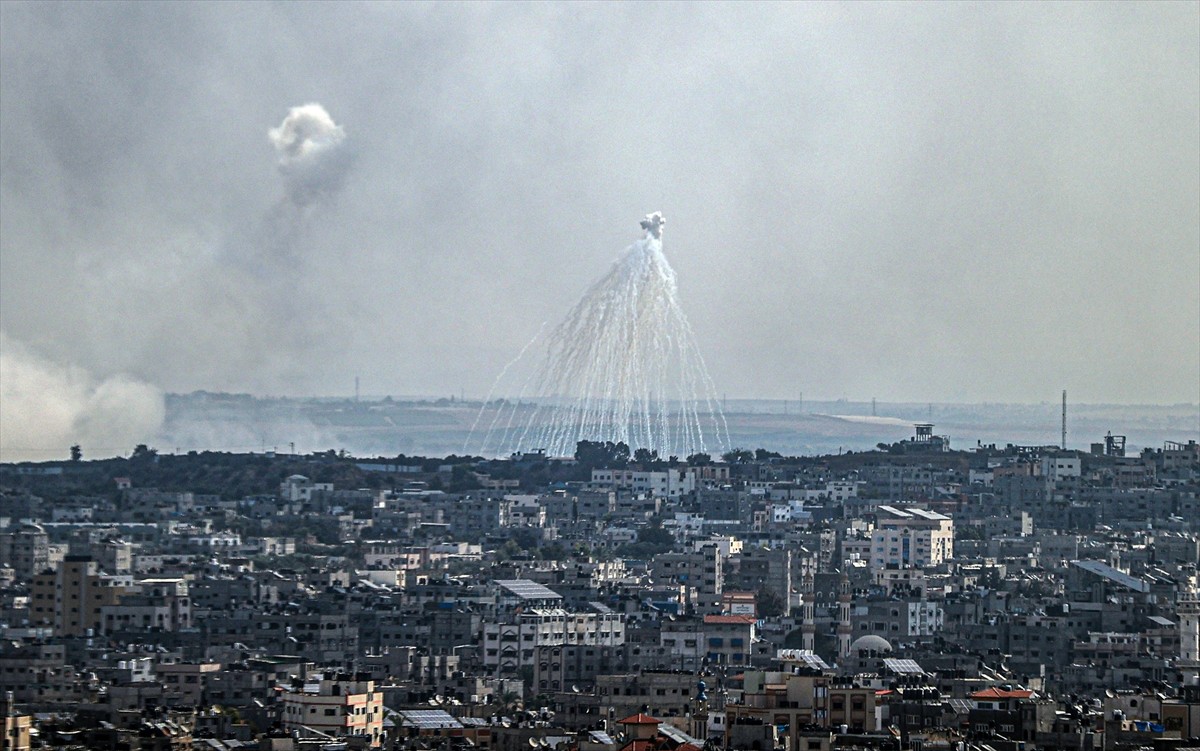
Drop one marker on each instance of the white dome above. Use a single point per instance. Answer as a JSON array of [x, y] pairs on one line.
[[871, 643]]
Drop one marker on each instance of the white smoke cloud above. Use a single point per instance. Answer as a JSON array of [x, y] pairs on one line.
[[312, 153], [46, 407]]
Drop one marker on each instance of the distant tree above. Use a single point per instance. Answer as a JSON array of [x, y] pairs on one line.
[[590, 453], [645, 456], [601, 454], [620, 454], [509, 550], [554, 551], [655, 535], [770, 603], [763, 455], [737, 456], [462, 478], [699, 460], [142, 452], [76, 453], [652, 540]]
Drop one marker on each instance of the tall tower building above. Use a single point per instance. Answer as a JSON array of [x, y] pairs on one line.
[[843, 625], [808, 619], [1188, 610]]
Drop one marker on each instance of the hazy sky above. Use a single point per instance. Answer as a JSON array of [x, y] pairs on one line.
[[926, 202]]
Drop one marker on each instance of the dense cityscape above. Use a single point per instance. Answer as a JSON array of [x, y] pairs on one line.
[[916, 596], [599, 376]]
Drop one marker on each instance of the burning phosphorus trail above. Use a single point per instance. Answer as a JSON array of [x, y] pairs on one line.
[[623, 366], [499, 379]]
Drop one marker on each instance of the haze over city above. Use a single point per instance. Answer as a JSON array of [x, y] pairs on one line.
[[915, 202]]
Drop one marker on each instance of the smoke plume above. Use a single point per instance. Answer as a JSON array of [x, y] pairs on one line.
[[45, 407], [312, 155]]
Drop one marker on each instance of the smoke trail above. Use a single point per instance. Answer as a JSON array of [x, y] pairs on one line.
[[45, 407], [624, 366], [487, 399], [313, 158]]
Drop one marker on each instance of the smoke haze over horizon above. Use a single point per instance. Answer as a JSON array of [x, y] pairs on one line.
[[919, 202]]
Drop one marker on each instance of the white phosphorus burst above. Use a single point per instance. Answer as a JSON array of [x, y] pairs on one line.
[[623, 366]]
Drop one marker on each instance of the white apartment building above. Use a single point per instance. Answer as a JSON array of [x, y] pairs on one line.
[[670, 483], [529, 615], [1061, 467], [512, 643], [299, 489], [912, 537]]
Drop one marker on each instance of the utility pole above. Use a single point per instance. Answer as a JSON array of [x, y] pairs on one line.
[[1063, 445]]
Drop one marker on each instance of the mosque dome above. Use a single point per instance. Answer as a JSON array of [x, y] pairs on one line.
[[871, 643]]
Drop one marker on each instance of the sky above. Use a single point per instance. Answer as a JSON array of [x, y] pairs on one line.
[[915, 202]]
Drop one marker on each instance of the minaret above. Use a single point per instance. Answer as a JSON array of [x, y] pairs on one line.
[[808, 616], [1187, 607], [843, 626]]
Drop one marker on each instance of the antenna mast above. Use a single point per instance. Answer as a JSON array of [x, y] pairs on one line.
[[1063, 445]]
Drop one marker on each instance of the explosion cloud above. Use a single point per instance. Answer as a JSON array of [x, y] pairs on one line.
[[312, 155]]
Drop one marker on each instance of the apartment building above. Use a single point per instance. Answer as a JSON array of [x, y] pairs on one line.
[[911, 537]]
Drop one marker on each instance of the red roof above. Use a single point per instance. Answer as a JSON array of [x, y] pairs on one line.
[[733, 620], [639, 719], [999, 693]]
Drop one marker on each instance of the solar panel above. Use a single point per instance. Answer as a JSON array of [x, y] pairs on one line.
[[902, 667], [428, 719], [814, 662], [804, 657], [528, 590], [961, 706]]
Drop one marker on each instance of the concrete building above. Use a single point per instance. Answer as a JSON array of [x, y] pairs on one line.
[[72, 596], [338, 706], [26, 549], [911, 537], [17, 726], [700, 571], [670, 483]]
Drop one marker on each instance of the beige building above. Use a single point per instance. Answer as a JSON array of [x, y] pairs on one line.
[[71, 597], [16, 726], [339, 706], [185, 683]]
